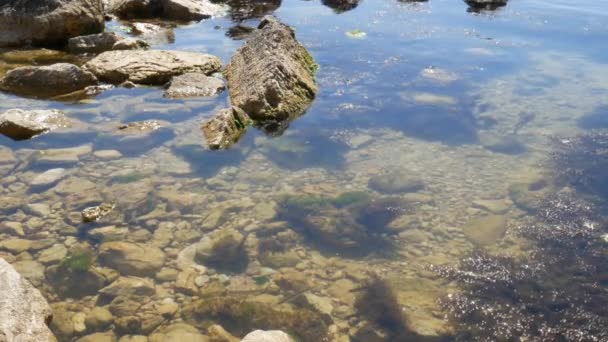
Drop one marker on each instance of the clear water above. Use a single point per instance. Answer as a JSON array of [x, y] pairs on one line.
[[465, 103]]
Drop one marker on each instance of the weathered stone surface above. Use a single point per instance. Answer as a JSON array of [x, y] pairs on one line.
[[194, 84], [153, 67], [94, 43], [271, 77], [19, 124], [225, 128], [486, 230], [48, 22], [190, 9], [152, 33], [24, 313], [185, 10], [99, 318], [267, 336], [46, 81], [131, 259]]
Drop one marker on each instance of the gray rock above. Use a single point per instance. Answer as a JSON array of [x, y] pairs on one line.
[[271, 77], [99, 318], [194, 84], [94, 43], [178, 332], [47, 81], [340, 6], [154, 67], [267, 336], [400, 181], [19, 124], [48, 22], [24, 313], [225, 128]]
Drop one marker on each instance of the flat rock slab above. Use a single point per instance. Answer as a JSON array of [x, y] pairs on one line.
[[486, 230], [194, 85], [271, 77], [19, 124], [152, 67], [46, 81], [24, 313]]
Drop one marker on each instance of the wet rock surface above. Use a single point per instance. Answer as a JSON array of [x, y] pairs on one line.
[[95, 43], [185, 10], [154, 67], [271, 77], [48, 22], [18, 124], [47, 81], [24, 313], [341, 5]]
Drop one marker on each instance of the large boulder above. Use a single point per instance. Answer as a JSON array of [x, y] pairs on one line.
[[184, 10], [48, 22], [153, 67], [225, 128], [19, 124], [46, 81], [271, 77], [24, 313]]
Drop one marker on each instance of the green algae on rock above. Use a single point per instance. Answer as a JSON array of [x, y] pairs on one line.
[[271, 77]]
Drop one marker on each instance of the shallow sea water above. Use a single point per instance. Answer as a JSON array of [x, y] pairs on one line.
[[456, 110]]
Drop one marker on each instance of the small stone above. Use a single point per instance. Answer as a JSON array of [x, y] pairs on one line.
[[108, 233], [99, 337], [92, 214], [78, 322], [12, 228], [19, 124], [267, 336]]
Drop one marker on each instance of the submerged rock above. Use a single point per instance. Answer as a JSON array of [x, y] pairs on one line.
[[46, 81], [486, 230], [153, 67], [24, 313], [48, 22], [19, 124], [241, 10], [131, 259], [94, 43], [193, 85], [267, 336], [177, 332], [225, 128], [223, 251], [391, 182], [271, 77]]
